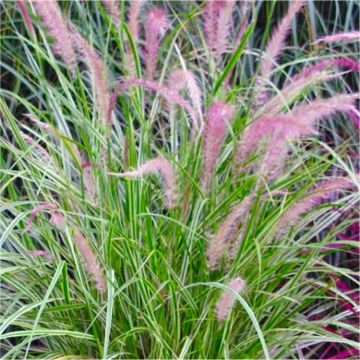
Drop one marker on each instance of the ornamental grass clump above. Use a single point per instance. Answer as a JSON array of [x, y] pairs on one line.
[[179, 179]]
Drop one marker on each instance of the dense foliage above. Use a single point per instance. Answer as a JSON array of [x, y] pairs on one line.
[[179, 179]]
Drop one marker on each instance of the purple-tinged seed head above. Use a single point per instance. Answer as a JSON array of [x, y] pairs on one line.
[[218, 120], [227, 298], [156, 25]]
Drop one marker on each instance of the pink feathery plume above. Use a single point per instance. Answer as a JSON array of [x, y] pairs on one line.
[[340, 37], [156, 25], [274, 47], [37, 147], [219, 244], [291, 91], [305, 117], [227, 298], [346, 63], [301, 123], [35, 211], [51, 16], [211, 22], [133, 18], [288, 127], [112, 8], [218, 119], [162, 167], [322, 191], [98, 74], [179, 80], [224, 26], [169, 94], [92, 266], [133, 25], [58, 220], [43, 253], [26, 16], [245, 8], [88, 180]]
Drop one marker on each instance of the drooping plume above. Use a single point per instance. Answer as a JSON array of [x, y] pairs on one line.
[[38, 149], [340, 37], [274, 47], [227, 298], [98, 75], [156, 25], [112, 8], [217, 123], [221, 242], [91, 263], [52, 18], [179, 80], [169, 94], [320, 192], [162, 167], [345, 63], [35, 211], [277, 130]]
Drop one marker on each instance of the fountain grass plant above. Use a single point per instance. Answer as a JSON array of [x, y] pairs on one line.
[[173, 187]]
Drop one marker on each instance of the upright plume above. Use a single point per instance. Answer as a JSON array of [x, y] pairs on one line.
[[217, 123], [274, 47], [222, 241], [112, 8], [98, 75], [156, 25], [133, 25], [217, 25]]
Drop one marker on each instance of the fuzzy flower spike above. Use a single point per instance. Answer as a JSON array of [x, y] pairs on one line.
[[112, 8], [156, 25], [162, 167], [217, 25], [274, 47], [98, 76], [179, 80], [50, 14], [218, 119], [227, 298], [91, 263], [322, 191]]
